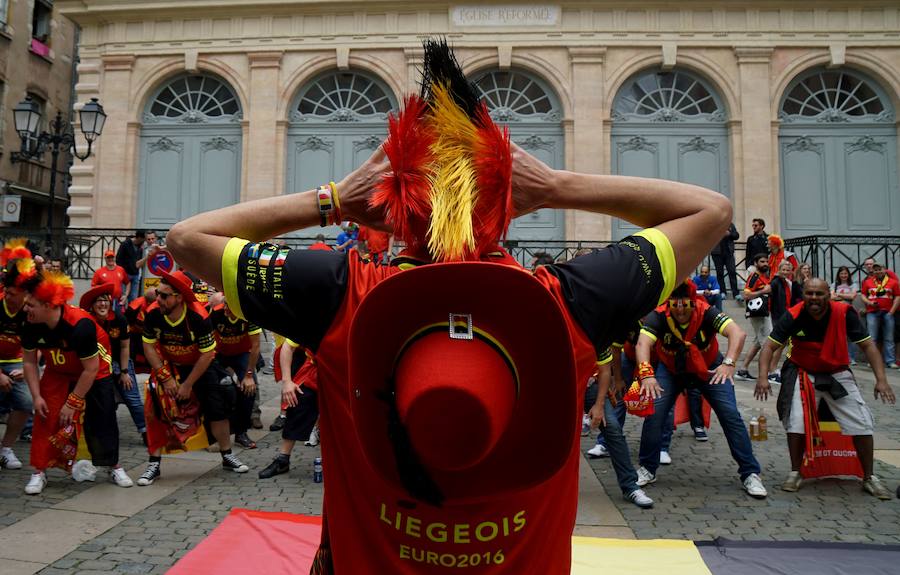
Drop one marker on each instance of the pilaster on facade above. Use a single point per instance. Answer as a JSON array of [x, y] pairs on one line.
[[259, 173], [414, 60]]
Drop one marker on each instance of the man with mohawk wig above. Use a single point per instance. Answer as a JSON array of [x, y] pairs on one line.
[[18, 268], [74, 397], [430, 375]]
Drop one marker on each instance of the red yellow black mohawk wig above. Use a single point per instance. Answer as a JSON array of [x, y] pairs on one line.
[[450, 188], [54, 288], [14, 249], [16, 263]]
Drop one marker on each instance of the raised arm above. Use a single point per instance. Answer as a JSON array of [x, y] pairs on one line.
[[691, 217], [694, 219]]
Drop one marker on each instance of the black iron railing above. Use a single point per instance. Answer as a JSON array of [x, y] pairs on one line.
[[826, 254], [82, 250]]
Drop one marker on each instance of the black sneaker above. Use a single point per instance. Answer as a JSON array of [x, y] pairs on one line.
[[744, 375], [277, 467], [278, 424], [244, 441], [700, 434], [150, 474], [230, 461]]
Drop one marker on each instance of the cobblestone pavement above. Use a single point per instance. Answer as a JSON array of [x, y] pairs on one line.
[[697, 497]]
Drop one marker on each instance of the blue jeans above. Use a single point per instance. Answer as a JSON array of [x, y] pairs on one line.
[[721, 398], [695, 410], [618, 447], [885, 321], [18, 398], [131, 397], [619, 409], [135, 291]]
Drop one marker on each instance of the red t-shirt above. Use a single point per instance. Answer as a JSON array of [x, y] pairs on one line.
[[77, 336], [881, 293], [116, 277], [376, 241], [11, 326], [378, 527]]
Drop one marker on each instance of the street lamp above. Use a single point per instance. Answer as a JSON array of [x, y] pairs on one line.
[[27, 115]]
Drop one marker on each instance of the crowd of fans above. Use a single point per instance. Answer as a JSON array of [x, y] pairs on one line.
[[774, 284]]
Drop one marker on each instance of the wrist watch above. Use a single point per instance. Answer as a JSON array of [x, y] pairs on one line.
[[728, 361]]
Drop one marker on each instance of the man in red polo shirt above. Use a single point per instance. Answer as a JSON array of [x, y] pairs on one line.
[[881, 294], [115, 275], [402, 492]]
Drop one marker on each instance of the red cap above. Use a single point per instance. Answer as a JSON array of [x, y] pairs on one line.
[[181, 283], [109, 254]]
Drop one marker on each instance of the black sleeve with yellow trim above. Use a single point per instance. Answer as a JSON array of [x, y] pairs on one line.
[[714, 320], [202, 330], [653, 325], [783, 329], [617, 285], [84, 338], [604, 357], [296, 293], [151, 320], [856, 330]]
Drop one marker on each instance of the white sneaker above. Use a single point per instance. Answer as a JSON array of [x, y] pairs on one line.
[[8, 459], [36, 484], [665, 458], [644, 477], [118, 476], [639, 498], [84, 470], [754, 487], [313, 437], [597, 451]]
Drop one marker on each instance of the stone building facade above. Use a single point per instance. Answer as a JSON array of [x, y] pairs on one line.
[[37, 48], [788, 108]]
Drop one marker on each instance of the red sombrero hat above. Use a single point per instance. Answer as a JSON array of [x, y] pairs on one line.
[[182, 284], [91, 295], [453, 410]]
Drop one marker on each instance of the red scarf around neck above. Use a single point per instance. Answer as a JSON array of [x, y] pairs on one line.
[[829, 355]]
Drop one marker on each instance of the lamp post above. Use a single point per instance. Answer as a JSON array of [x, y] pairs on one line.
[[61, 137]]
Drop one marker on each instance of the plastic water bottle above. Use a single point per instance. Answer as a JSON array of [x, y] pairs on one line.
[[317, 470]]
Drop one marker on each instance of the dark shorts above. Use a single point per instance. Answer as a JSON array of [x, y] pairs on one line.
[[215, 391], [18, 398], [101, 429], [302, 418]]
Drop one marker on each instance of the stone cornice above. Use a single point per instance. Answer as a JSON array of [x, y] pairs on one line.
[[587, 54], [265, 59], [118, 62], [753, 54]]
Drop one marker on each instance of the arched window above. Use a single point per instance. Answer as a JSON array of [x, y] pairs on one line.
[[514, 96], [343, 97], [193, 99], [533, 113], [663, 96], [838, 154], [191, 146], [669, 124], [833, 96]]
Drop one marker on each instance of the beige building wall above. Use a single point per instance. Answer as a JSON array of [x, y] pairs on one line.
[[22, 72], [267, 50]]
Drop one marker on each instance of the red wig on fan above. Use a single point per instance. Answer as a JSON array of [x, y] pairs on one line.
[[15, 260], [53, 288]]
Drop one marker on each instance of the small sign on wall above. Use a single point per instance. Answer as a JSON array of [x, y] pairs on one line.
[[12, 209], [505, 15]]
